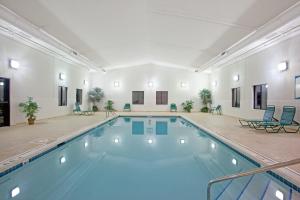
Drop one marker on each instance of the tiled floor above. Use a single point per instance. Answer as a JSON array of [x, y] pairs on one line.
[[22, 141]]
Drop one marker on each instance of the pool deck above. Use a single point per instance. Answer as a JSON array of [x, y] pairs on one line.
[[20, 142]]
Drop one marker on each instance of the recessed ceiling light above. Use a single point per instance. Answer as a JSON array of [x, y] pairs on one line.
[[282, 66], [62, 160], [116, 140], [14, 192], [279, 195], [14, 64], [181, 141], [150, 141], [234, 161]]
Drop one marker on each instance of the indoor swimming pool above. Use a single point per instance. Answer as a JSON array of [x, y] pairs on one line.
[[141, 158]]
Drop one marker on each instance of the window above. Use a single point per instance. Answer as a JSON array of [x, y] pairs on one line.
[[138, 97], [161, 97], [260, 96], [79, 96], [62, 96], [236, 97]]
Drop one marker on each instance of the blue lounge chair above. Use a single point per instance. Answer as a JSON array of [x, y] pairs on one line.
[[173, 107], [268, 117], [78, 110], [217, 110], [127, 107], [286, 120]]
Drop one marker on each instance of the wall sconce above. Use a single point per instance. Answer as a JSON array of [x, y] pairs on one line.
[[62, 76], [236, 78], [85, 82], [283, 66], [117, 84], [183, 84], [214, 83], [150, 84], [1, 83], [14, 64]]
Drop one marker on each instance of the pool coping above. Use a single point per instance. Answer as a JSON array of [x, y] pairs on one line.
[[285, 175]]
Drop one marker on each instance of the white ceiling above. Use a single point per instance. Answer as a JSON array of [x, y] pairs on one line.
[[115, 33]]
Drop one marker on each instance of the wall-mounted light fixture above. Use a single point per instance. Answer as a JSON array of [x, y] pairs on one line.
[[116, 84], [236, 78], [1, 83], [14, 64], [214, 83], [62, 76], [85, 82], [150, 84], [267, 86], [283, 66], [183, 84]]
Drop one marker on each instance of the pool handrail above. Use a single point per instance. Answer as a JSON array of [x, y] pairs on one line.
[[250, 172]]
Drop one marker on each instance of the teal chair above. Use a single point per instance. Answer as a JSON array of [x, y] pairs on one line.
[[127, 107], [268, 117], [217, 110], [78, 110], [173, 107], [286, 120]]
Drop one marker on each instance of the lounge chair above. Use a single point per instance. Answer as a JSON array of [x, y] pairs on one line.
[[78, 110], [217, 110], [268, 117], [127, 107], [173, 107], [286, 120]]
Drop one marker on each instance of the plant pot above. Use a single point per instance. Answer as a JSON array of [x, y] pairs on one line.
[[95, 109], [31, 121]]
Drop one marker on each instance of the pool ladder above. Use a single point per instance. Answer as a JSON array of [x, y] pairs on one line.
[[249, 173]]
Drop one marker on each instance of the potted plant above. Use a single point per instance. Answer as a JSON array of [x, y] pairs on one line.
[[206, 99], [95, 95], [30, 108], [109, 105], [187, 105]]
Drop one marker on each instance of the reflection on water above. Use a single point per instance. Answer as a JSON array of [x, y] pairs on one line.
[[137, 127], [173, 119], [127, 119], [161, 128]]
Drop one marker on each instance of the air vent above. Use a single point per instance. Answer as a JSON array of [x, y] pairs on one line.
[[74, 53], [223, 53]]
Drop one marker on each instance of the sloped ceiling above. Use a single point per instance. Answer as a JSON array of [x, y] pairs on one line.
[[120, 32]]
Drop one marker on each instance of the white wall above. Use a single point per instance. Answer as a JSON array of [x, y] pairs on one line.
[[164, 79], [38, 77], [259, 69]]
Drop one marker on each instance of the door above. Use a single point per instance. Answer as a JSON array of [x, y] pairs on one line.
[[4, 102]]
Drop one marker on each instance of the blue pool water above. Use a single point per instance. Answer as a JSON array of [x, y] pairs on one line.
[[140, 158]]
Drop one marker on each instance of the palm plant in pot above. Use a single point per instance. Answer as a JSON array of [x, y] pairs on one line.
[[95, 96], [109, 105], [30, 108], [206, 99], [187, 105]]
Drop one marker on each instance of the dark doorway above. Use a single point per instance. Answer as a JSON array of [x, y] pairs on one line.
[[4, 102]]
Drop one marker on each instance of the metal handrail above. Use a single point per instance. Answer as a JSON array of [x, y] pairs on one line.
[[251, 172]]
